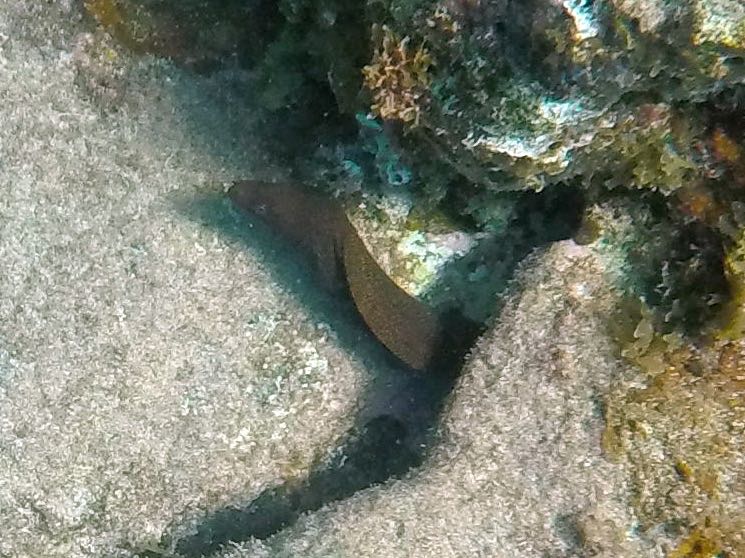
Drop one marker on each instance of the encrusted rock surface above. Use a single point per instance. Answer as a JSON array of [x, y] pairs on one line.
[[519, 469], [529, 94]]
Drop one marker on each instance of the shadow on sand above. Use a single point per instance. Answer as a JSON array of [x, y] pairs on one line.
[[398, 413]]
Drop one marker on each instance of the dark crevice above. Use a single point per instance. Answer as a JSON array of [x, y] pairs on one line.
[[378, 450], [679, 268]]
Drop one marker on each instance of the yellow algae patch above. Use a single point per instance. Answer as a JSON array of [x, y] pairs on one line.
[[398, 78], [733, 314], [123, 27], [678, 427], [696, 545], [725, 148], [721, 22]]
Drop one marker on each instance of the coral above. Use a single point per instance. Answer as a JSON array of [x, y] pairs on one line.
[[534, 94], [398, 78]]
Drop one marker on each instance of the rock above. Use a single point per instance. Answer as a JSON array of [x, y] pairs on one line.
[[519, 469]]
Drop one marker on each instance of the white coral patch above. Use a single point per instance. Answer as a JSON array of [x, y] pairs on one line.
[[431, 252], [584, 19]]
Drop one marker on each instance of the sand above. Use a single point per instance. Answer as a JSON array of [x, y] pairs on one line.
[[152, 365]]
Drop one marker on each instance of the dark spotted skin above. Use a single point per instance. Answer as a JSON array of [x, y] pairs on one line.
[[318, 226]]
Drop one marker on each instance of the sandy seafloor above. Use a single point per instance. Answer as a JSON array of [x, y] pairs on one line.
[[153, 369]]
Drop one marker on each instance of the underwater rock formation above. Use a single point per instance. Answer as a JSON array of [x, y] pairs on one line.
[[519, 95], [503, 95], [678, 426], [519, 469], [556, 443], [529, 94]]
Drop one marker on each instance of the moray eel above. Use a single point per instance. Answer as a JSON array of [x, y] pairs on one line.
[[319, 227]]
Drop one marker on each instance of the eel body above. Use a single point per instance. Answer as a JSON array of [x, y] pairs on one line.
[[319, 227]]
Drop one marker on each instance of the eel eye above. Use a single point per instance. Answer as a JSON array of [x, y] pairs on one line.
[[261, 209]]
